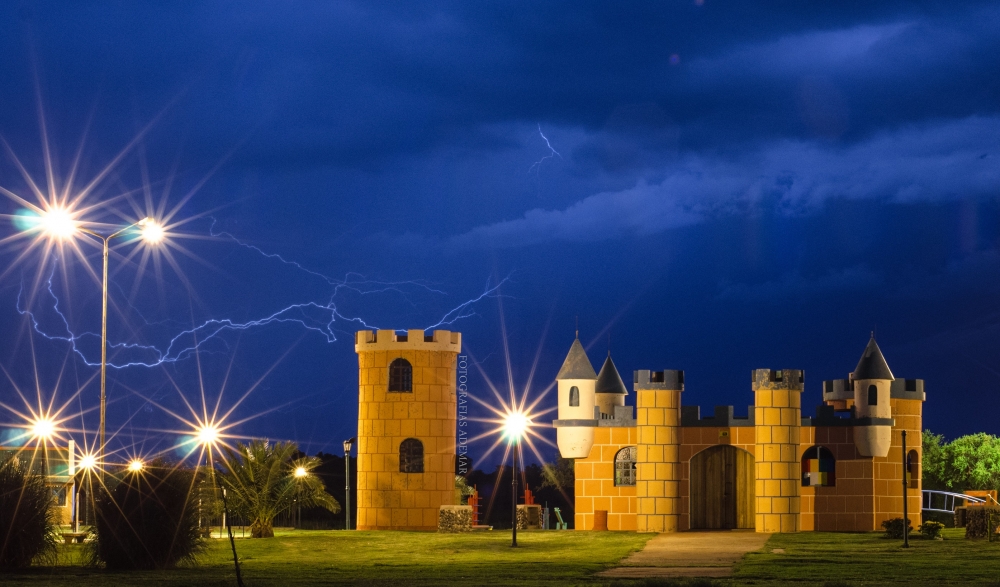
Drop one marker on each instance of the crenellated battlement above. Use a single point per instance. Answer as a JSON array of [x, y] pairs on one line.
[[389, 340], [778, 379], [723, 417], [667, 379]]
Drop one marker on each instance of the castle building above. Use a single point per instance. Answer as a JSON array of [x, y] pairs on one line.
[[407, 406], [667, 468]]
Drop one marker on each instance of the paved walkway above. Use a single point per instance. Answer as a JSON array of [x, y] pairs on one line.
[[689, 554]]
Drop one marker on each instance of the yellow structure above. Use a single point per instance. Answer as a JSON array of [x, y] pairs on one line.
[[777, 414], [407, 406], [658, 467], [670, 469]]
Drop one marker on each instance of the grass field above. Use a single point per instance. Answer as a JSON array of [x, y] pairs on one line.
[[405, 559]]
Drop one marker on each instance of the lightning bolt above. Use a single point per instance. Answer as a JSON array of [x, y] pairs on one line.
[[312, 316], [552, 152]]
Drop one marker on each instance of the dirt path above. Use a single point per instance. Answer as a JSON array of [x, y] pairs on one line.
[[689, 554]]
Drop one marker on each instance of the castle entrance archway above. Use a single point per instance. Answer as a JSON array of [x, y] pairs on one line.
[[722, 489]]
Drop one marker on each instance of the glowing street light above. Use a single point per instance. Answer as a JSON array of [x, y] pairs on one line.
[[86, 464], [59, 223], [43, 429], [208, 435], [300, 472], [516, 424], [136, 466]]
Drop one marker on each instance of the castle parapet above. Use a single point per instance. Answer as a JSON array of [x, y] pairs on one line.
[[390, 340], [691, 416]]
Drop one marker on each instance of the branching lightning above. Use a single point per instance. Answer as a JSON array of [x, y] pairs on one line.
[[552, 152], [321, 318]]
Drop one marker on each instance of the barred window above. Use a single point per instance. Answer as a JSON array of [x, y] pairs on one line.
[[400, 376], [625, 467], [411, 456], [574, 396]]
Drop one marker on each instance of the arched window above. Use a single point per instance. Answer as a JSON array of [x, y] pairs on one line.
[[574, 396], [912, 469], [872, 395], [818, 467], [625, 467], [411, 456], [400, 376]]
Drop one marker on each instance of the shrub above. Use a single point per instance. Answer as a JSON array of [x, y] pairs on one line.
[[149, 520], [977, 521], [27, 529], [931, 529], [894, 528]]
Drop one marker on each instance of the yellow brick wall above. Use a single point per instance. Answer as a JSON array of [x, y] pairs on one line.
[[595, 482], [388, 499], [777, 415], [888, 470], [658, 471]]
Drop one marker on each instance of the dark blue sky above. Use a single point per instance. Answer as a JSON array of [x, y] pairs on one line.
[[721, 185]]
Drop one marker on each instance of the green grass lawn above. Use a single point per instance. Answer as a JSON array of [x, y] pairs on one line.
[[401, 559], [818, 558], [405, 559]]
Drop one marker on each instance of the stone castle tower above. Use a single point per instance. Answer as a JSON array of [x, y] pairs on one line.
[[406, 427], [777, 417]]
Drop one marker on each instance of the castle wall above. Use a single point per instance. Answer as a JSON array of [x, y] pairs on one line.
[[595, 482], [888, 471], [387, 498], [848, 506]]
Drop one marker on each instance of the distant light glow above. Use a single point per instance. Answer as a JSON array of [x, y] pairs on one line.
[[57, 223], [43, 428], [152, 232], [301, 472], [516, 424], [88, 462], [208, 434], [136, 466]]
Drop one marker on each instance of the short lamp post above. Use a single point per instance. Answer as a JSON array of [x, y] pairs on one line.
[[347, 483], [300, 472], [87, 463], [515, 425]]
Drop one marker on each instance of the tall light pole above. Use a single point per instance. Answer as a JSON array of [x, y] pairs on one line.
[[906, 485], [59, 223], [347, 483], [515, 425]]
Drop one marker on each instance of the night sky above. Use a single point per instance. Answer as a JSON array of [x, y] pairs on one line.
[[714, 186]]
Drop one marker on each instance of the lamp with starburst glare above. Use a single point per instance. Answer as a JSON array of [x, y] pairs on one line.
[[136, 466], [60, 223]]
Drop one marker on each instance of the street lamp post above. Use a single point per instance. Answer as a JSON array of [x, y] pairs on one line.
[[58, 223], [347, 483], [906, 522], [300, 472], [87, 462], [152, 233], [515, 426]]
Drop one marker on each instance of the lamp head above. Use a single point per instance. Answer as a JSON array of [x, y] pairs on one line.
[[208, 434], [43, 428], [347, 446], [300, 472], [515, 425], [88, 462], [152, 232], [136, 466], [57, 223]]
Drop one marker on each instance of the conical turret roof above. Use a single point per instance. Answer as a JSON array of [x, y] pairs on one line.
[[872, 364], [609, 381], [576, 365]]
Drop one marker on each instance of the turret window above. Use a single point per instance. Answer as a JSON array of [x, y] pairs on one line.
[[872, 395], [574, 396], [411, 456], [625, 467], [818, 468], [400, 376]]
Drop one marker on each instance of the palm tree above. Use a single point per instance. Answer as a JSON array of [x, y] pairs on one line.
[[262, 482]]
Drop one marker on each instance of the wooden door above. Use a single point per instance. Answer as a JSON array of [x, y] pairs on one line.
[[722, 489]]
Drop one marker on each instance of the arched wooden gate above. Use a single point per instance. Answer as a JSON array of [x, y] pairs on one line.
[[722, 489]]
